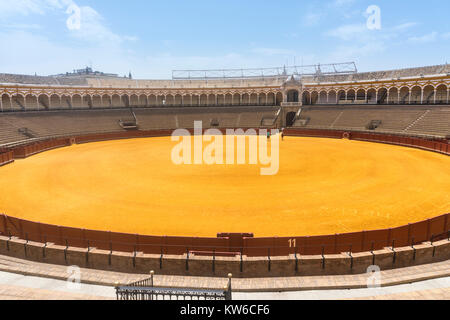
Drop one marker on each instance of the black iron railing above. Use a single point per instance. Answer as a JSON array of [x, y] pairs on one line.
[[144, 290]]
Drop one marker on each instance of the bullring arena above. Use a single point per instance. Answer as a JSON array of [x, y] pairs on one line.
[[363, 173]]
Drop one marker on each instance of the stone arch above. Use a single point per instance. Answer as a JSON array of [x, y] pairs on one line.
[[306, 98], [178, 100], [442, 94], [292, 96], [428, 94], [314, 97], [125, 101], [55, 101], [372, 96], [87, 101], [66, 101], [134, 100], [18, 102], [351, 95], [382, 94], [393, 95], [170, 100], [220, 99], [271, 99], [228, 99], [160, 100], [253, 99], [416, 94], [246, 99], [31, 102], [236, 99], [341, 95], [278, 99], [323, 97], [106, 101], [203, 99], [5, 102], [262, 99], [116, 101], [44, 101], [143, 101], [211, 99], [97, 101], [151, 100], [404, 95], [195, 100], [361, 95], [332, 97]]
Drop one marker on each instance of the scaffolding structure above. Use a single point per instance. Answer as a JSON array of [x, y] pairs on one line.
[[286, 71]]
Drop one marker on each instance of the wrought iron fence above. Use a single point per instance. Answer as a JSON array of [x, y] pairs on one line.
[[145, 290]]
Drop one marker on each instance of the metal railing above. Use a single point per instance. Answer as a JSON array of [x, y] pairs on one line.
[[146, 291]]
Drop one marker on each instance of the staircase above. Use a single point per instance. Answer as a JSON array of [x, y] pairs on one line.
[[417, 120]]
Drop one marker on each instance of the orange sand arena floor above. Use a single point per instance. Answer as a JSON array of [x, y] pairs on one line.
[[324, 186]]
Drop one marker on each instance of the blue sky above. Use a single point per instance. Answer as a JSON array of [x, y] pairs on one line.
[[151, 38]]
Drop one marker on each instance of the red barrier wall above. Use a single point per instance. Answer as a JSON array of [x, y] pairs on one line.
[[6, 157]]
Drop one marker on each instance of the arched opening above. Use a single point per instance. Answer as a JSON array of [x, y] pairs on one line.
[[416, 95], [428, 94], [351, 96], [236, 99], [271, 99], [306, 98], [323, 97], [262, 99], [134, 100], [170, 100], [5, 102], [220, 99], [372, 96], [116, 101], [332, 97], [314, 97], [254, 99], [18, 102], [143, 102], [290, 119], [151, 99], [228, 99], [245, 99], [292, 96], [178, 100], [195, 100], [382, 96], [31, 102], [393, 96], [279, 99], [125, 101], [361, 96], [97, 101], [106, 101], [44, 101], [203, 100], [404, 95], [442, 94], [211, 100], [87, 101], [341, 97]]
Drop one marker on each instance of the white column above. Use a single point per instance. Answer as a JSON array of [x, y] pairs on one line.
[[434, 96], [1, 103], [421, 96], [448, 95], [398, 98]]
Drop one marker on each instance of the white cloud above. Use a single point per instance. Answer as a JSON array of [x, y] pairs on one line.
[[348, 32], [273, 51], [430, 37]]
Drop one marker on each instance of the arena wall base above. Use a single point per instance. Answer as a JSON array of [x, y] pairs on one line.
[[248, 267]]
